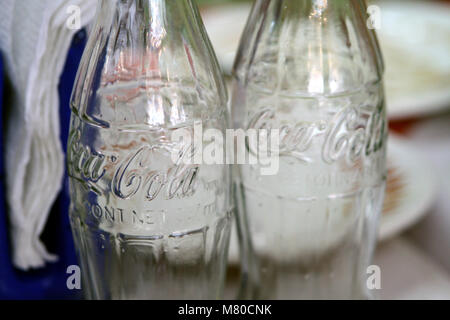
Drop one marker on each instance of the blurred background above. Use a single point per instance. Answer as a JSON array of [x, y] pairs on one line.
[[414, 236]]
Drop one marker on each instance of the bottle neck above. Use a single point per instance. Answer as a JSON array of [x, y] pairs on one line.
[[151, 18], [325, 45], [147, 52], [149, 6], [312, 9], [139, 32]]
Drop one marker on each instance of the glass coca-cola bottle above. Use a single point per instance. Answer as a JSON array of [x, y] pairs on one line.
[[147, 223], [312, 70]]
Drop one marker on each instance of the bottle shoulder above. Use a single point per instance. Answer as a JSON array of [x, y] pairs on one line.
[[148, 64], [297, 46]]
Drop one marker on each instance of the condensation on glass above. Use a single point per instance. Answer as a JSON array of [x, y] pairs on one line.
[[313, 70], [147, 226]]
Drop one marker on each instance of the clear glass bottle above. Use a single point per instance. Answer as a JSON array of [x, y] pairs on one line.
[[313, 70], [147, 223]]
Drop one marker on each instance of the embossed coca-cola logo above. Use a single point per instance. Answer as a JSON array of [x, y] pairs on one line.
[[140, 172], [83, 162], [147, 170], [351, 134]]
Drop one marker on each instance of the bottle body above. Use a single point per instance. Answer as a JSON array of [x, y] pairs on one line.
[[312, 224], [145, 228], [147, 223]]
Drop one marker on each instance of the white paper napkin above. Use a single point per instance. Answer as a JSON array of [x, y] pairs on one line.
[[34, 40]]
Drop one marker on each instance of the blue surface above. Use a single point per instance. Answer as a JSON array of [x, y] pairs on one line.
[[1, 133], [49, 282]]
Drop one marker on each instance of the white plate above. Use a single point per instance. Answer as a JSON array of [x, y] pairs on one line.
[[414, 36], [411, 188], [415, 39], [225, 24]]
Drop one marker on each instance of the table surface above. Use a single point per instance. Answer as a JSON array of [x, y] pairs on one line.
[[408, 272]]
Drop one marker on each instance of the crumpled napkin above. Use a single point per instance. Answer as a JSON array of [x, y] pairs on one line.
[[34, 40]]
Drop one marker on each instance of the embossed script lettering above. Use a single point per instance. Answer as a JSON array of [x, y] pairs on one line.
[[147, 169], [83, 161], [351, 133], [137, 172]]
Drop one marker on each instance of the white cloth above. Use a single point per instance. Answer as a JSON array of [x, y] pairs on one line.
[[34, 40]]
